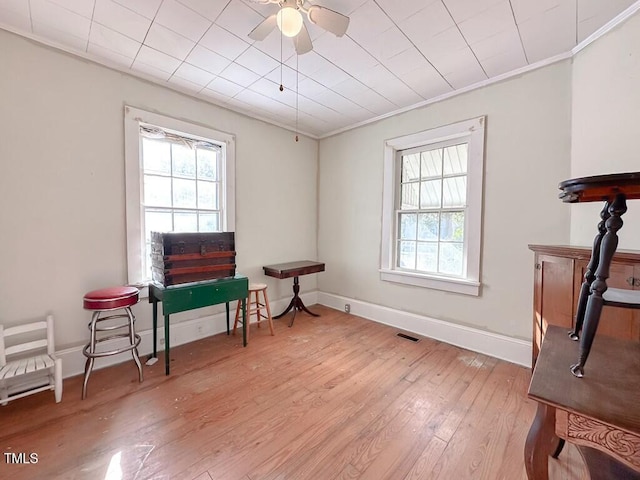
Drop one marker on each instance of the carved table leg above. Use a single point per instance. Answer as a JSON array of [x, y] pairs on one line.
[[296, 303], [599, 285], [541, 443]]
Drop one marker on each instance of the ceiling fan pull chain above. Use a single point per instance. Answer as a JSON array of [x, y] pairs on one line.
[[281, 86], [297, 95]]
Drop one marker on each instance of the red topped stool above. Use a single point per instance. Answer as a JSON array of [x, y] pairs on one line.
[[109, 300]]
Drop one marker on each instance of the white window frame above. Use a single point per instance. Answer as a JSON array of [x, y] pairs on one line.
[[472, 132], [136, 245]]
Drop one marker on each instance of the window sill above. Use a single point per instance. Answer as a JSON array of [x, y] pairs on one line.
[[455, 285]]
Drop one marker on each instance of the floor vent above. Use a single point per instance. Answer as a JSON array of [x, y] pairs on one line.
[[408, 337]]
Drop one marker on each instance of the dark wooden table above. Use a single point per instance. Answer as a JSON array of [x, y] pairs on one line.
[[189, 296], [614, 190], [294, 269], [599, 413]]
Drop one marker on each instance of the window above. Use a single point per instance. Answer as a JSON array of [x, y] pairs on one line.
[[432, 208], [180, 178]]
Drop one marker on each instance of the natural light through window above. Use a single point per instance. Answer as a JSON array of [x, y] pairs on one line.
[[432, 208]]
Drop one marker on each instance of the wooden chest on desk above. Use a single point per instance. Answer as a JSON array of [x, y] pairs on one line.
[[192, 257]]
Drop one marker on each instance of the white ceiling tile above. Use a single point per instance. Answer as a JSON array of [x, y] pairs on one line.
[[150, 71], [287, 77], [239, 19], [399, 11], [495, 19], [367, 22], [387, 44], [260, 101], [164, 40], [382, 81], [426, 23], [109, 56], [505, 41], [256, 61], [310, 88], [54, 18], [207, 60], [146, 8], [225, 87], [104, 37], [81, 7], [337, 102], [161, 61], [503, 62], [193, 74], [272, 90], [16, 14], [462, 69], [239, 74], [550, 33], [185, 84], [329, 75], [462, 10], [121, 19], [210, 9], [426, 81], [594, 14], [212, 95], [219, 40], [345, 7], [364, 96], [61, 37], [406, 61], [344, 53], [182, 20], [308, 63], [523, 10]]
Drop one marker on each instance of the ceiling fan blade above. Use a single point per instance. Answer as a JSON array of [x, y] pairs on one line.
[[331, 21], [302, 41], [264, 28]]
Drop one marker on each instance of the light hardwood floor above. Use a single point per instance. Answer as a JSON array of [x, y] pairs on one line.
[[334, 397]]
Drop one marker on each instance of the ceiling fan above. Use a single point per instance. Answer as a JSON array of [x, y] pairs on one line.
[[289, 20]]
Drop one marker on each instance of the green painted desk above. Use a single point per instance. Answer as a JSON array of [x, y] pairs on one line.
[[189, 296]]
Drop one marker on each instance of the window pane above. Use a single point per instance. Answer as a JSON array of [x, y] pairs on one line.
[[156, 156], [157, 191], [184, 193], [184, 161], [185, 222], [452, 226], [454, 192], [207, 164], [455, 159], [428, 257], [209, 222], [409, 196], [157, 221], [408, 223], [431, 163], [430, 194], [410, 167], [428, 224], [451, 258], [208, 195], [407, 255]]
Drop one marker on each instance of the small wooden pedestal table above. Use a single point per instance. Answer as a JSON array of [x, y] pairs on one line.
[[294, 269], [599, 413], [188, 296]]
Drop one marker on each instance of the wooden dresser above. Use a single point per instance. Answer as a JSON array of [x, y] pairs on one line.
[[559, 272]]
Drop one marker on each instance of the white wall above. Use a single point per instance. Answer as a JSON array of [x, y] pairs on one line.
[[62, 186], [527, 154], [606, 123]]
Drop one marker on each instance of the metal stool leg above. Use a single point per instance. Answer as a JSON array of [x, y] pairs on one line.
[[88, 366], [135, 340]]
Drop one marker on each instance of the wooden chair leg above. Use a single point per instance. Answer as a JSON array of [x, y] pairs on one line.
[[269, 317], [235, 323]]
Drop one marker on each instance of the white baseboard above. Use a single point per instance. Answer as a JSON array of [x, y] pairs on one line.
[[500, 346], [183, 332]]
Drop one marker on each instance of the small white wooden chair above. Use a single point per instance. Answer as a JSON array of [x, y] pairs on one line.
[[20, 373]]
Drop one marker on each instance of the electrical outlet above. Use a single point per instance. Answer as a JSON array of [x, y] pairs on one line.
[[347, 307]]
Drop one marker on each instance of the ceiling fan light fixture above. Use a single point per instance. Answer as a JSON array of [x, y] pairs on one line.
[[289, 21]]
